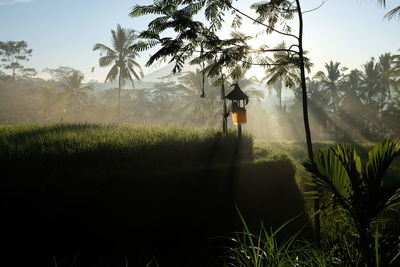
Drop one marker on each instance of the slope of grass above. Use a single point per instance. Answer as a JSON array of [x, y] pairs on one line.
[[136, 191], [138, 145]]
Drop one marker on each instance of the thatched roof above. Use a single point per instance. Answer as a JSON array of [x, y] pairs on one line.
[[237, 94]]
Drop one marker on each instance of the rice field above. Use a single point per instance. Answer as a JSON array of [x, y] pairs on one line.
[[106, 195], [119, 192]]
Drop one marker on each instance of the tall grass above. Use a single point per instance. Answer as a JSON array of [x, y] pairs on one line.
[[265, 250], [33, 140], [86, 149]]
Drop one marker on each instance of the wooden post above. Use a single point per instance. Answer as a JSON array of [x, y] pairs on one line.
[[239, 130]]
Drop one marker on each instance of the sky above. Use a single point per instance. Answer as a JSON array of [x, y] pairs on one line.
[[63, 32]]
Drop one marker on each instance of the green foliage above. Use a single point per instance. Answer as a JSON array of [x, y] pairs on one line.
[[357, 189], [232, 52], [262, 249]]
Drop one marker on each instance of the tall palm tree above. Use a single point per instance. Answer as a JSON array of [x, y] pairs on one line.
[[121, 58], [331, 81], [200, 96], [387, 81], [76, 95], [351, 90], [387, 68], [332, 85], [371, 93], [277, 86], [370, 81]]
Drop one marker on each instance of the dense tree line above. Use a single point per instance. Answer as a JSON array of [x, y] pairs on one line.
[[359, 104], [172, 101]]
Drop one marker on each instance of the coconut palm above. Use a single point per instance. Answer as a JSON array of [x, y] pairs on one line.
[[204, 108], [332, 87], [387, 69], [370, 81], [75, 95], [351, 90], [331, 82], [354, 115], [121, 58], [387, 82], [277, 86]]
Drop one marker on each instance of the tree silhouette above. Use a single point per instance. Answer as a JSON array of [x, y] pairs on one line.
[[12, 54], [191, 84], [332, 83], [121, 58], [76, 95], [61, 72], [332, 86], [387, 82], [370, 80]]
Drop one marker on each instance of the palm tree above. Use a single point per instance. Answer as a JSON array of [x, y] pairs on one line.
[[331, 83], [122, 59], [392, 13], [281, 72], [356, 189], [200, 96], [370, 81], [387, 69], [387, 81], [76, 95], [277, 86]]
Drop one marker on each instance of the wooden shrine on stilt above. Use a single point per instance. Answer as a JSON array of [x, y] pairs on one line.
[[238, 106]]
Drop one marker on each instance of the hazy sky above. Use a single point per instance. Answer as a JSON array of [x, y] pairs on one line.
[[63, 32]]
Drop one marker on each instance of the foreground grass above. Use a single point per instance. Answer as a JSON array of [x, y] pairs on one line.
[[339, 236]]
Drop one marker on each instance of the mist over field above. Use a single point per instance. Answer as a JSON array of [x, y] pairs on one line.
[[361, 104]]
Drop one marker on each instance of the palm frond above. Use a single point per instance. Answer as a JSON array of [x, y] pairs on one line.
[[107, 60], [112, 74], [379, 160], [104, 48], [132, 71], [138, 11], [393, 13]]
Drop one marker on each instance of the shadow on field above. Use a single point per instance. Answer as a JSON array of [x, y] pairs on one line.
[[171, 215], [77, 209]]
